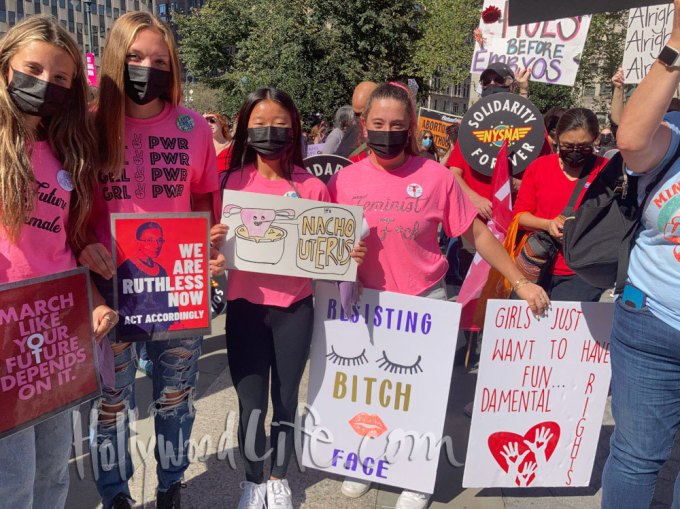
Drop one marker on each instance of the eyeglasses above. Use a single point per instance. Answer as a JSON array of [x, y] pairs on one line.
[[211, 120], [586, 149], [427, 137]]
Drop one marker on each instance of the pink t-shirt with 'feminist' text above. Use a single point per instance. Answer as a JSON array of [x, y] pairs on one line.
[[403, 208]]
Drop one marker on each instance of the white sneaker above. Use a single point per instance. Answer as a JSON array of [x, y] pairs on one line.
[[412, 500], [278, 495], [253, 496], [354, 488]]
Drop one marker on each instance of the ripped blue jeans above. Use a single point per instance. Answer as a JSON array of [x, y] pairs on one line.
[[175, 372]]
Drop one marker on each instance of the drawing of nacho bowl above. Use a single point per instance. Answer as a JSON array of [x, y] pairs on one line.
[[265, 249]]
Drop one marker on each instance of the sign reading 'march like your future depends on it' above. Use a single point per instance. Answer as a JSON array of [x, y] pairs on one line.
[[552, 49], [290, 236], [540, 396], [494, 119], [47, 351], [379, 382]]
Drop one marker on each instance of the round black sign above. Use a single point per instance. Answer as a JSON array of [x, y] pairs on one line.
[[324, 166], [494, 119]]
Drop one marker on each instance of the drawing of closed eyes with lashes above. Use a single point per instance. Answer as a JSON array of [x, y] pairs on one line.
[[383, 362]]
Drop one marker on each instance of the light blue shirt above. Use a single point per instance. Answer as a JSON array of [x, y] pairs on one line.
[[655, 259]]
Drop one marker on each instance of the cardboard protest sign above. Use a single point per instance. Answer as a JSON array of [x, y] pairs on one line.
[[315, 149], [290, 236], [552, 49], [378, 386], [532, 11], [324, 166], [437, 122], [162, 284], [494, 119], [47, 356], [649, 29], [540, 397]]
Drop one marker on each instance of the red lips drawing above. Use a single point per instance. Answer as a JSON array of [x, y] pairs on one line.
[[522, 457], [366, 425]]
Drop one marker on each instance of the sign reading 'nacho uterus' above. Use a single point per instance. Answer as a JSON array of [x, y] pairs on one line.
[[290, 236]]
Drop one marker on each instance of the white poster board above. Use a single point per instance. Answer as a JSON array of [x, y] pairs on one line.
[[649, 29], [378, 387], [552, 49], [290, 236], [540, 397]]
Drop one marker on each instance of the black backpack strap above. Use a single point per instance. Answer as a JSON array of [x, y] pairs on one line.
[[583, 178]]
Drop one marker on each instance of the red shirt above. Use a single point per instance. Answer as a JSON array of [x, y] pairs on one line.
[[545, 192], [479, 183], [224, 159]]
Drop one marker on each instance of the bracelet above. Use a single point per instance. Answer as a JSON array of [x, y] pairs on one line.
[[520, 283]]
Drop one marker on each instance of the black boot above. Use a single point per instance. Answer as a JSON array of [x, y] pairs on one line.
[[171, 499], [121, 501]]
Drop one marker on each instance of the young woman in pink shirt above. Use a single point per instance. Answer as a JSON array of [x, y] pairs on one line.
[[405, 198], [47, 146], [270, 317]]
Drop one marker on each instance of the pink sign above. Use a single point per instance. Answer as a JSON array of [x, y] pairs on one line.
[[91, 69]]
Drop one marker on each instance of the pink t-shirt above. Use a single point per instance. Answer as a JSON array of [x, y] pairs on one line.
[[42, 248], [268, 289], [167, 157], [404, 208]]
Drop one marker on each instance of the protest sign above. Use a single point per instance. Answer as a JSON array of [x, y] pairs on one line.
[[540, 396], [315, 149], [649, 29], [437, 122], [290, 236], [552, 49], [532, 11], [161, 285], [378, 385], [324, 166], [47, 356], [495, 119], [91, 70]]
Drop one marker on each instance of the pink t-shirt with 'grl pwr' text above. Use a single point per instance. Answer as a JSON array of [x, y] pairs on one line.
[[403, 208], [269, 289], [42, 248], [167, 158]]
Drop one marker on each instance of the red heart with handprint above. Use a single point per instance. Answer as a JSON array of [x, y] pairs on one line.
[[503, 441]]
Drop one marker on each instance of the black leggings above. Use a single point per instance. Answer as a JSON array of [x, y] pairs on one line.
[[261, 339]]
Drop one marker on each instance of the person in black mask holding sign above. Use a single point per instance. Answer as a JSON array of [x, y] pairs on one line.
[[156, 156], [547, 187]]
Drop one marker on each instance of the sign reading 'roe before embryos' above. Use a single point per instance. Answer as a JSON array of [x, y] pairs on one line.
[[552, 49], [540, 396], [290, 236], [378, 386], [47, 359]]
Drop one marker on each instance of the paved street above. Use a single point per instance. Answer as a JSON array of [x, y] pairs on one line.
[[213, 481]]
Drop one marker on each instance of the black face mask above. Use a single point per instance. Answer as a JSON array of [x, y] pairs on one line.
[[144, 84], [270, 142], [36, 97], [494, 89], [575, 158], [387, 144], [606, 140]]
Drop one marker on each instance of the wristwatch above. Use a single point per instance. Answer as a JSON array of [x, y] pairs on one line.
[[669, 56]]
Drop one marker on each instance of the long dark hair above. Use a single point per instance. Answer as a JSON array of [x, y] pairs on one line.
[[243, 154]]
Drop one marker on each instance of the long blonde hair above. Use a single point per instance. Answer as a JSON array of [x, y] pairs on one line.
[[69, 134], [110, 107]]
